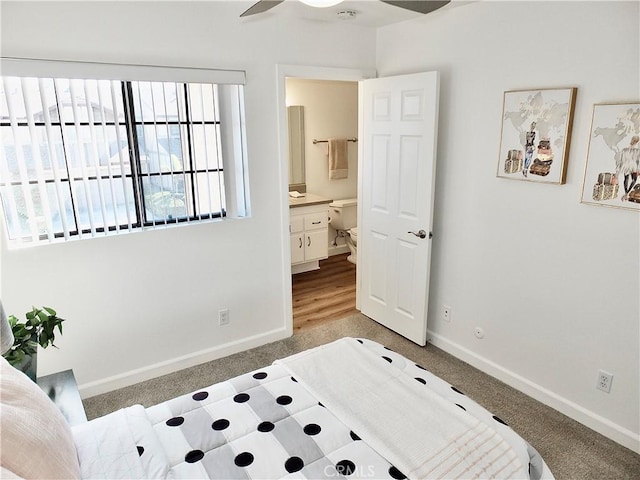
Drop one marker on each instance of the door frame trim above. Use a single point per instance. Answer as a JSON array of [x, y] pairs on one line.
[[313, 73]]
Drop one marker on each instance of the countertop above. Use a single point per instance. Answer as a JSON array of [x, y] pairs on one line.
[[308, 199]]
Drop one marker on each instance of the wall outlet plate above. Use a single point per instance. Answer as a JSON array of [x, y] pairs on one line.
[[446, 313], [604, 381], [223, 317]]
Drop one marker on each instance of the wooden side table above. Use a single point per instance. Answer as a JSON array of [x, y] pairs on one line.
[[62, 389]]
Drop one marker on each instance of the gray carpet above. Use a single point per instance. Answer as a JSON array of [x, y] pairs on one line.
[[571, 450]]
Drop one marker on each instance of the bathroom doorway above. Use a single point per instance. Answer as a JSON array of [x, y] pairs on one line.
[[415, 98], [330, 111]]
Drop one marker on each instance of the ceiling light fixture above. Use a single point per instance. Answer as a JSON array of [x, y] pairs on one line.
[[321, 3]]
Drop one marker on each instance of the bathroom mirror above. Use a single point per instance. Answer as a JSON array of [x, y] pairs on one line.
[[295, 116]]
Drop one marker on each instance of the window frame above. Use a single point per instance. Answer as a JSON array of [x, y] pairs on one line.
[[234, 162]]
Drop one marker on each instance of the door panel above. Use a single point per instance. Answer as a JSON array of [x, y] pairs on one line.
[[408, 189], [378, 273], [399, 125], [405, 260], [380, 160]]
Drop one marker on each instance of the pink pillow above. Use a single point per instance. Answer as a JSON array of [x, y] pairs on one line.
[[36, 439]]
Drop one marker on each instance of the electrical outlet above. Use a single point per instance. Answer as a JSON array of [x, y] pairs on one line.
[[604, 381], [223, 317], [446, 313]]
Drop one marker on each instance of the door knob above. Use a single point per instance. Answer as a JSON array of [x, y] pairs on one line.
[[419, 233]]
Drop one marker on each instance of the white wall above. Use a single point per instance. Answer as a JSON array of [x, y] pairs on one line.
[[146, 303], [554, 284], [330, 111]]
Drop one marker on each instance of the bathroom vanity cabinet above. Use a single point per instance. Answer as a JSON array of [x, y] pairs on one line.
[[309, 231]]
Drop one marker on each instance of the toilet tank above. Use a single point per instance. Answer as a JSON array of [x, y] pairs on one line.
[[343, 213]]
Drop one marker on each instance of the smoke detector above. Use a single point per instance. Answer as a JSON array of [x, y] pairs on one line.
[[346, 14]]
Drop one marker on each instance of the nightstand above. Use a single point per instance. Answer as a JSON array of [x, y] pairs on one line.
[[62, 389]]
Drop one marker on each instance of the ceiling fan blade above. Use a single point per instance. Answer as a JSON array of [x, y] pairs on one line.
[[261, 6], [420, 6]]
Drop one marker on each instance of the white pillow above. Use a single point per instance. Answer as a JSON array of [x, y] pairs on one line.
[[36, 439]]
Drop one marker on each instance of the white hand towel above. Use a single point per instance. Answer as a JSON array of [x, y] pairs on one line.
[[338, 158]]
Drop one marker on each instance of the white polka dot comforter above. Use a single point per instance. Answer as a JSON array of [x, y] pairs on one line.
[[351, 409]]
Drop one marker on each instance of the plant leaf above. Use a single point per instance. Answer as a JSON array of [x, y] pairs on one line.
[[42, 316]]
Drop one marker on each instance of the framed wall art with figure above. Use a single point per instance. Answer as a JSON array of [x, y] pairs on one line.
[[536, 130], [612, 170]]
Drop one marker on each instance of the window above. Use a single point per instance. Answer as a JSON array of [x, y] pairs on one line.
[[87, 157]]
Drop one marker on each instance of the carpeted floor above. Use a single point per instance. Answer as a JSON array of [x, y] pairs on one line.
[[571, 450]]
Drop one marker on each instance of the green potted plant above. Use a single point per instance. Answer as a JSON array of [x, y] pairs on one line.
[[37, 330]]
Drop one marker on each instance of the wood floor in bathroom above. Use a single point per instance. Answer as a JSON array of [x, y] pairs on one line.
[[324, 295]]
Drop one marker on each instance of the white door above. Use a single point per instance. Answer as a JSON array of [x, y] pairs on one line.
[[398, 141]]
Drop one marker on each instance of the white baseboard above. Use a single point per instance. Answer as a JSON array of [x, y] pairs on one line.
[[592, 420], [305, 267], [338, 250], [163, 368]]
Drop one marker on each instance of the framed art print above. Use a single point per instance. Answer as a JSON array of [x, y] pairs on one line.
[[612, 170], [536, 130]]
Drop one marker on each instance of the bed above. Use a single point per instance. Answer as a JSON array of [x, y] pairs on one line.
[[348, 409]]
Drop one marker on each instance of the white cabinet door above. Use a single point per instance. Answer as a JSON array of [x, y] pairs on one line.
[[297, 248], [316, 245]]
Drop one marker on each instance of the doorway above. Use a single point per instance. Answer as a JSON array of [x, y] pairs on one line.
[[329, 98], [396, 154], [327, 109]]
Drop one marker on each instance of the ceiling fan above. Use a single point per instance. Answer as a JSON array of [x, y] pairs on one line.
[[420, 6]]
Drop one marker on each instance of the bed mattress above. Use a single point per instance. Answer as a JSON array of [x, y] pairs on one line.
[[348, 409]]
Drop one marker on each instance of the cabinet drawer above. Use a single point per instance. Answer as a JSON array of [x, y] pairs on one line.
[[296, 224], [313, 221]]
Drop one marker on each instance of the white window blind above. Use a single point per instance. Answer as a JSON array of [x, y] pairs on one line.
[[92, 156]]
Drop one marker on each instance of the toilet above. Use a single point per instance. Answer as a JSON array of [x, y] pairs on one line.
[[343, 216]]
